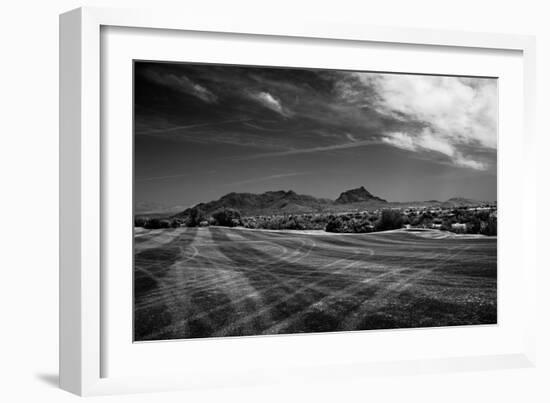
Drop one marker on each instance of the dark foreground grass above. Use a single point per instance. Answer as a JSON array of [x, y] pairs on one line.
[[212, 282]]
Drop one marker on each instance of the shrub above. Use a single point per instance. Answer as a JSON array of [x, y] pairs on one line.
[[175, 223], [227, 217], [345, 224], [389, 219], [473, 226], [490, 227], [139, 222], [293, 223], [156, 223], [446, 225], [196, 215], [285, 222], [360, 226], [422, 220], [335, 224]]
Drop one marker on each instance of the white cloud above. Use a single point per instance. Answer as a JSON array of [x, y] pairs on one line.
[[270, 102], [430, 141], [427, 141], [400, 140], [459, 110], [460, 160], [457, 113]]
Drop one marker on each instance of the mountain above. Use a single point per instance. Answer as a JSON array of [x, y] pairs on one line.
[[357, 195], [273, 202], [289, 202], [152, 209], [461, 202]]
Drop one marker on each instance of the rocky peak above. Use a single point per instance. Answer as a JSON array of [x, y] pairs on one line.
[[359, 194]]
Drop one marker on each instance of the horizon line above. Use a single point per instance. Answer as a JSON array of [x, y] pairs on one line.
[[169, 208]]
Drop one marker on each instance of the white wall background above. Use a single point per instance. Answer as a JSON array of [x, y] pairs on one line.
[[29, 200]]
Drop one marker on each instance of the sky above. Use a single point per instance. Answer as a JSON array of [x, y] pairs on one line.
[[202, 131]]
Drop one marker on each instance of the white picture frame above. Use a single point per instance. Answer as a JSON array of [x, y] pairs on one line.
[[82, 304]]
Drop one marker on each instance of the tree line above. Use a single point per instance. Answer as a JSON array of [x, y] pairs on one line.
[[471, 222]]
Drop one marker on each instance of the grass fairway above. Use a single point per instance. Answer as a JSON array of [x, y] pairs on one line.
[[211, 282]]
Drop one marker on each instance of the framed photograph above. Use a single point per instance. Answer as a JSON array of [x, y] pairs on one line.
[[251, 216], [253, 203]]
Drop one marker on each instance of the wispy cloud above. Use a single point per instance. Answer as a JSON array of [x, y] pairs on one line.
[[460, 160], [270, 102], [155, 178], [182, 84], [263, 128], [267, 178], [173, 176], [400, 140], [351, 137], [333, 147], [427, 141], [146, 132]]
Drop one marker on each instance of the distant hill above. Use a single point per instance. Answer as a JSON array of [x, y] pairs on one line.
[[155, 209], [289, 202], [453, 202], [274, 202], [461, 202]]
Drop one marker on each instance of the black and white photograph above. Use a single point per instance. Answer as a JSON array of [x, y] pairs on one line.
[[281, 200]]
